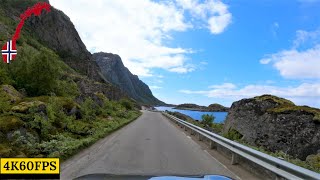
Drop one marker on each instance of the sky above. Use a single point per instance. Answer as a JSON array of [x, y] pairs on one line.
[[209, 51]]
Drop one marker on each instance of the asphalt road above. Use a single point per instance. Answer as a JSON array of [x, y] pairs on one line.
[[151, 145]]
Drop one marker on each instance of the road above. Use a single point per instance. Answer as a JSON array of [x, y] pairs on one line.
[[151, 145]]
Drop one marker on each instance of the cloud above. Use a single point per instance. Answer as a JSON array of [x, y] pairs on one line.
[[304, 94], [303, 37], [274, 29], [300, 62], [139, 30], [214, 12], [155, 87], [223, 86]]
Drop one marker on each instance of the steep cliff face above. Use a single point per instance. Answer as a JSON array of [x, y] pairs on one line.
[[58, 33], [115, 72], [276, 124]]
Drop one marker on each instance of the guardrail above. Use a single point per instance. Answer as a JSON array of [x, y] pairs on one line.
[[279, 167]]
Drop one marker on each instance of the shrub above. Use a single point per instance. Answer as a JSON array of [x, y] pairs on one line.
[[233, 135], [207, 120], [127, 104], [88, 109]]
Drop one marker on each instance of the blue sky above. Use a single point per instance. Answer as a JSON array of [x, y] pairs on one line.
[[192, 51]]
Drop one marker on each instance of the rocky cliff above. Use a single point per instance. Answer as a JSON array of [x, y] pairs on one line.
[[276, 124], [57, 32], [116, 73]]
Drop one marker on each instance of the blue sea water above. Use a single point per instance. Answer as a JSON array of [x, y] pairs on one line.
[[219, 116]]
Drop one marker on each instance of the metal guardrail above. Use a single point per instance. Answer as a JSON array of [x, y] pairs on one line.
[[279, 167]]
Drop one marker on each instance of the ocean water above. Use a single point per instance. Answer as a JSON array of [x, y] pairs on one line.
[[219, 116]]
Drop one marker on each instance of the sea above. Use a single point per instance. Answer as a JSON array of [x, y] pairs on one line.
[[219, 116]]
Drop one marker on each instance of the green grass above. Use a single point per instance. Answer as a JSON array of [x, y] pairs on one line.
[[280, 101], [283, 109]]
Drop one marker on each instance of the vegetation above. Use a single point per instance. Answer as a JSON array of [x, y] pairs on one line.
[[207, 123], [314, 111], [280, 101], [207, 120], [42, 112], [312, 162], [233, 135]]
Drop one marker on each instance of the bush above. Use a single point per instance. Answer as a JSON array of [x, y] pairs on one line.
[[89, 109], [36, 72], [127, 104], [207, 120], [233, 135]]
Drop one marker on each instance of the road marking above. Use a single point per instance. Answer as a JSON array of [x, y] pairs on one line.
[[222, 164], [189, 137]]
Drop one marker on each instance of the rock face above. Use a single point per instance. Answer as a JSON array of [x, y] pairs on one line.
[[57, 32], [116, 73], [276, 124]]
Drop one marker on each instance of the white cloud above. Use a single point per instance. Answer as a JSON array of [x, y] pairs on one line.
[[304, 94], [223, 86], [295, 63], [214, 12], [138, 30], [274, 29], [155, 87], [306, 36]]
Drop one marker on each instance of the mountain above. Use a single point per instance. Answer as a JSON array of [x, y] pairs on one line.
[[55, 31], [276, 124], [116, 73], [53, 92]]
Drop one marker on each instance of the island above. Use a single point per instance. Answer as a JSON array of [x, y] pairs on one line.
[[194, 107]]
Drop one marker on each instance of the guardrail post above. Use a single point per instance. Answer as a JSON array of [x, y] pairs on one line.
[[234, 159], [199, 137], [185, 128], [192, 132], [213, 145]]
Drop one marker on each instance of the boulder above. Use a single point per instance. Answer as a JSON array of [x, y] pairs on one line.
[[276, 124], [9, 93]]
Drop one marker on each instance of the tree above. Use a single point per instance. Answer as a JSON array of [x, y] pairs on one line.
[[207, 120], [36, 72]]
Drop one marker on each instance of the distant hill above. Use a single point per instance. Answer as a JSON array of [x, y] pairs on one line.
[[210, 108], [115, 72]]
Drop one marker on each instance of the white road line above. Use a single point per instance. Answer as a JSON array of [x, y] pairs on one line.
[[222, 164]]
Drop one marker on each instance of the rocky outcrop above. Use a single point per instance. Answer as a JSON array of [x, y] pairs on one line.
[[276, 124], [217, 108], [116, 73], [9, 93]]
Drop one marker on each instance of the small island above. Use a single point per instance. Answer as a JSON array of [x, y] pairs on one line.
[[194, 107]]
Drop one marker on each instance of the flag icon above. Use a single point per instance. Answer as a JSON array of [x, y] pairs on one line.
[[9, 51]]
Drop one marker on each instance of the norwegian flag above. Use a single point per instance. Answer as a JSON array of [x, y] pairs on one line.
[[9, 51]]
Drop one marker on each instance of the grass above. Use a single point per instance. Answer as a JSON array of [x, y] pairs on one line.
[[283, 109], [280, 101]]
